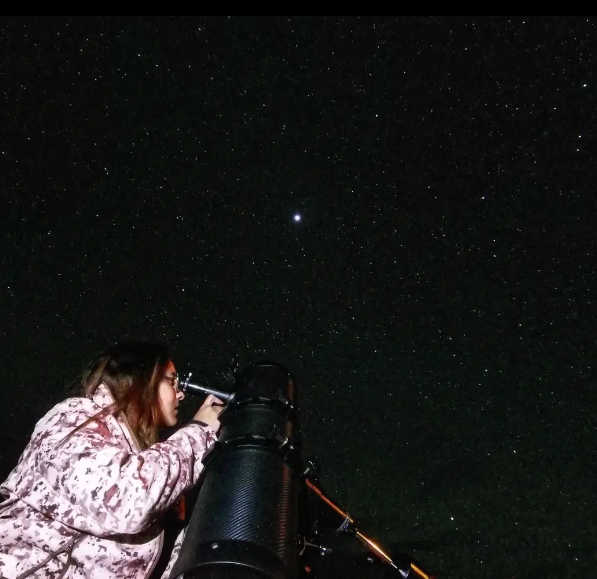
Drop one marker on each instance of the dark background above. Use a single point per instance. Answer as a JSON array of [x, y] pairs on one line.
[[435, 300]]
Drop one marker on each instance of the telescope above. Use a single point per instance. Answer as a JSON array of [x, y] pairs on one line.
[[251, 520], [194, 389]]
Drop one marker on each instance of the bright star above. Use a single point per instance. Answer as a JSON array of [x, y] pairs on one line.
[[297, 217]]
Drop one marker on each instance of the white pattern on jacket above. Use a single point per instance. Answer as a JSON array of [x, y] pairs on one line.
[[96, 488]]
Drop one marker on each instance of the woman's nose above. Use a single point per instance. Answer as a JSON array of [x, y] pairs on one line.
[[180, 395]]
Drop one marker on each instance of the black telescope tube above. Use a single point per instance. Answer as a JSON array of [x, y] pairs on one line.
[[245, 524]]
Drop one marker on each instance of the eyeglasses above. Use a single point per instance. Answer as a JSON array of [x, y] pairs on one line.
[[173, 379]]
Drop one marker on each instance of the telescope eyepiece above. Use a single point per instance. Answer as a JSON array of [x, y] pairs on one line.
[[194, 389]]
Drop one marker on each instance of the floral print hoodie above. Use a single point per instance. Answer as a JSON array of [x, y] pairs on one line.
[[89, 505]]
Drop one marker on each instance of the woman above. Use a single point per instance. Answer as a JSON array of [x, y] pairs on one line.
[[90, 491]]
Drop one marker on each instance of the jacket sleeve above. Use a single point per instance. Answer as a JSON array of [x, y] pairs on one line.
[[175, 554], [94, 483]]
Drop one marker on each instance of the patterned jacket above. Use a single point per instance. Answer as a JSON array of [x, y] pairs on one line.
[[89, 506]]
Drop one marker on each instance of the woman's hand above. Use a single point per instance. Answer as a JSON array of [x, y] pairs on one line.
[[209, 412]]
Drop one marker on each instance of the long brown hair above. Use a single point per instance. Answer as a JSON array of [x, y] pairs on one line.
[[132, 371]]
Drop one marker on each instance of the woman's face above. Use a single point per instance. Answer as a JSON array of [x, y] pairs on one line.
[[169, 396]]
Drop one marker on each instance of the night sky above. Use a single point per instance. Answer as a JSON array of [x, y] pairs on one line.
[[435, 299]]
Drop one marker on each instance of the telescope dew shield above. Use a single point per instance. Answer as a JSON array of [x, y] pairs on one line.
[[245, 524]]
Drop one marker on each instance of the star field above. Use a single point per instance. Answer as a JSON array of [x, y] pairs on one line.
[[400, 210]]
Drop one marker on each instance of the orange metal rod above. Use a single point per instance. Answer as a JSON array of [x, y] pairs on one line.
[[420, 572], [373, 546], [328, 502]]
